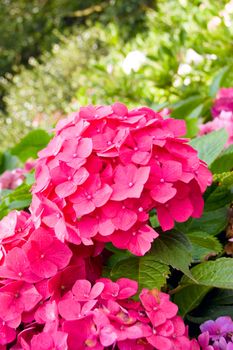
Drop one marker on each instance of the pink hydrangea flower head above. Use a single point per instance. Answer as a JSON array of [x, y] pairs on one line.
[[107, 167]]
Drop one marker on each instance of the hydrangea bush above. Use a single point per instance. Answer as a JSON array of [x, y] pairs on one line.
[[87, 266]]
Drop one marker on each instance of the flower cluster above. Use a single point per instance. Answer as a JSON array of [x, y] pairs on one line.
[[65, 313], [222, 112], [11, 179], [36, 270], [217, 335], [107, 167]]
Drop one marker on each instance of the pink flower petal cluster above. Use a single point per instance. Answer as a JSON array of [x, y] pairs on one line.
[[222, 112], [223, 102], [86, 316], [37, 269], [217, 335], [11, 179], [107, 167]]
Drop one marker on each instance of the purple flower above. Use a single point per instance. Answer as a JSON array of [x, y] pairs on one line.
[[218, 328], [217, 335]]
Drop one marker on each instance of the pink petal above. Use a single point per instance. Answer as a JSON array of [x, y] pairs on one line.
[[82, 289], [165, 219], [102, 195], [119, 109], [172, 170], [65, 189], [163, 192], [125, 219], [181, 210], [69, 309], [160, 343], [108, 336], [96, 290]]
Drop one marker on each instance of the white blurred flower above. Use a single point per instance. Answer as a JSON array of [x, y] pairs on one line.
[[133, 61], [177, 82], [229, 7], [214, 23], [226, 14], [187, 81], [184, 68], [226, 18], [193, 57], [109, 68], [211, 56]]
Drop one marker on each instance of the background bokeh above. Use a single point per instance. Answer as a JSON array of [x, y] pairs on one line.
[[59, 54]]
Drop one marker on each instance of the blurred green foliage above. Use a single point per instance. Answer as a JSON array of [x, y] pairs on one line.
[[181, 45], [30, 27]]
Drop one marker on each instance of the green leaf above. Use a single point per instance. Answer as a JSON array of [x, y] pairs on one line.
[[8, 162], [211, 313], [19, 198], [31, 144], [173, 248], [118, 255], [154, 220], [217, 303], [192, 127], [224, 162], [203, 245], [184, 108], [218, 273], [212, 222], [218, 80], [196, 112], [189, 298], [222, 297], [211, 145], [220, 197], [146, 270]]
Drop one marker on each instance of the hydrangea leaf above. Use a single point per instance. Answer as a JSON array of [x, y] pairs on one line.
[[211, 313], [8, 162], [185, 107], [222, 297], [219, 197], [189, 297], [203, 245], [217, 303], [218, 80], [146, 270], [211, 222], [173, 248], [218, 273], [31, 144], [211, 145], [19, 198], [224, 162]]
